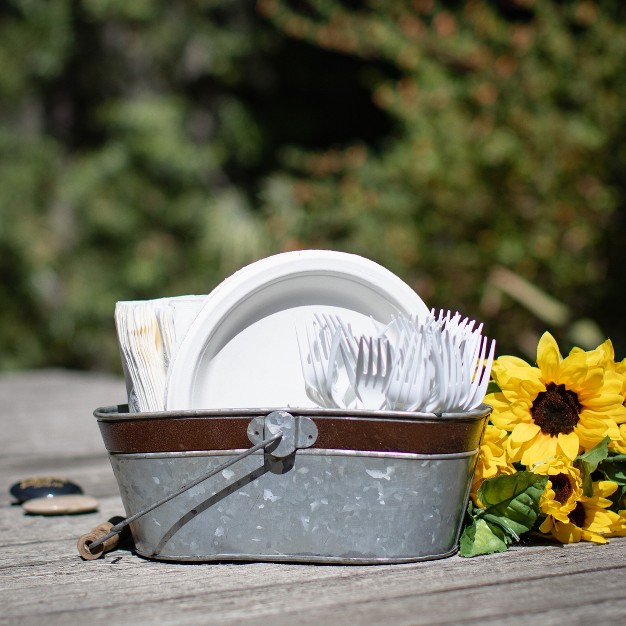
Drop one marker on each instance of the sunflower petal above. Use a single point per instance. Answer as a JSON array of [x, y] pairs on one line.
[[577, 375], [532, 387], [604, 352], [605, 488], [543, 447], [546, 525], [569, 444], [567, 533], [588, 535], [548, 357], [524, 432]]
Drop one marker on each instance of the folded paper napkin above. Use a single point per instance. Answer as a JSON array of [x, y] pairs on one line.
[[149, 332]]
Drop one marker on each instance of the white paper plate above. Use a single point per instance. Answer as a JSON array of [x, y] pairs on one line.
[[241, 350]]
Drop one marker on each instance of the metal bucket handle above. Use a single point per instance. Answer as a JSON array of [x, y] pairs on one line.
[[279, 433]]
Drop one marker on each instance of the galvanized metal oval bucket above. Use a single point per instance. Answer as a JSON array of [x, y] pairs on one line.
[[354, 487]]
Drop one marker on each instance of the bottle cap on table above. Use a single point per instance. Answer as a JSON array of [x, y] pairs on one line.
[[61, 505], [43, 487]]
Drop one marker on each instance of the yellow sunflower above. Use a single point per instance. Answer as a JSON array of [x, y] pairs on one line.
[[619, 446], [618, 368], [563, 491], [590, 520], [559, 407], [492, 459], [619, 527]]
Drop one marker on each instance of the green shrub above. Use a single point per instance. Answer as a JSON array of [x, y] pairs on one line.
[[150, 148]]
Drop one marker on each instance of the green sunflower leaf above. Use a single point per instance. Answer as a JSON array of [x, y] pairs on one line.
[[513, 500], [588, 463], [482, 538], [502, 523], [618, 499], [615, 458], [473, 512], [614, 468]]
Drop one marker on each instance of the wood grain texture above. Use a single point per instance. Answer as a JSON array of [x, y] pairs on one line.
[[47, 428]]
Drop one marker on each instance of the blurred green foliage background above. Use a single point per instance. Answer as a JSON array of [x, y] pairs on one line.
[[150, 148]]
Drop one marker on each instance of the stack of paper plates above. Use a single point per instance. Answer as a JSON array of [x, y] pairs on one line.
[[241, 350]]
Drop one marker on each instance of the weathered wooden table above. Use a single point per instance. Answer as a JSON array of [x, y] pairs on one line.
[[48, 429]]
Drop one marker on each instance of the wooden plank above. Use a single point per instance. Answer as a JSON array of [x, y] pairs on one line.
[[527, 581], [48, 428], [42, 579]]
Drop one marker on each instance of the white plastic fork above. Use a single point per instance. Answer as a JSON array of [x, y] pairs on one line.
[[481, 376], [348, 344], [314, 367], [440, 365], [410, 381], [436, 399], [335, 323], [339, 387], [373, 372], [328, 380]]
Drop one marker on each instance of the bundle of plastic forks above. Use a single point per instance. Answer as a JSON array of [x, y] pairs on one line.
[[449, 367], [440, 364], [327, 365]]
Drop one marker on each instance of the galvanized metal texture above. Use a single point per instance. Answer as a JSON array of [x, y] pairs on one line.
[[331, 507], [119, 527], [315, 505], [289, 433]]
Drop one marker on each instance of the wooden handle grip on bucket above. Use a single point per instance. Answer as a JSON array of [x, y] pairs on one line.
[[94, 534]]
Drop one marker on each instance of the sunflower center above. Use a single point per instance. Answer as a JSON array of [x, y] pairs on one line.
[[556, 410], [577, 516], [562, 487]]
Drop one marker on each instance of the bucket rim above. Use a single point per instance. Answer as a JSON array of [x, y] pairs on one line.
[[120, 413], [227, 429]]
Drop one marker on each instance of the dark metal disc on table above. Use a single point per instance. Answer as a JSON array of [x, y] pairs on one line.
[[43, 487]]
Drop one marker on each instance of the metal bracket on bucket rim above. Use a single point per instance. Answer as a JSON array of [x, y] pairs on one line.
[[298, 432], [279, 433]]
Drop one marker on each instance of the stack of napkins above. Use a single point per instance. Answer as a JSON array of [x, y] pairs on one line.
[[149, 332]]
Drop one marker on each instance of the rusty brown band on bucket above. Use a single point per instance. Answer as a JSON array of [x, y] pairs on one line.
[[190, 434]]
